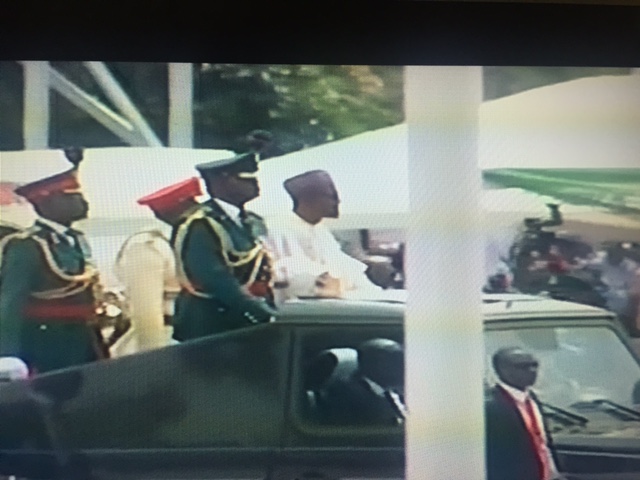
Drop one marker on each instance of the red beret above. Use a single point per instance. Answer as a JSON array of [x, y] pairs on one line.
[[62, 182], [8, 194], [170, 198]]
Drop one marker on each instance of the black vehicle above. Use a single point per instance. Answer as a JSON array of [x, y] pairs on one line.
[[248, 403]]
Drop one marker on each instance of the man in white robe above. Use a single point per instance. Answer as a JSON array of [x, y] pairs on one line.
[[146, 266], [308, 260]]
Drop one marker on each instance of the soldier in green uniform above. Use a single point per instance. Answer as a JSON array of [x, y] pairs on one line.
[[47, 301], [222, 265]]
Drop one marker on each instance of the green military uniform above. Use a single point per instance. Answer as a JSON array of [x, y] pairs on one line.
[[216, 258], [47, 300]]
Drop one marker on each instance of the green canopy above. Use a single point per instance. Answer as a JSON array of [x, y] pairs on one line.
[[618, 190]]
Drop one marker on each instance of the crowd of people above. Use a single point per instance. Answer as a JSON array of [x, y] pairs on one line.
[[220, 269], [570, 269]]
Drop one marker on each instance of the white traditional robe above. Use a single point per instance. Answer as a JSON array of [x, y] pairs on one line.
[[146, 266], [302, 252]]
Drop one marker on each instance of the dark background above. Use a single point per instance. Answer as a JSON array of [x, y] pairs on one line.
[[309, 73]]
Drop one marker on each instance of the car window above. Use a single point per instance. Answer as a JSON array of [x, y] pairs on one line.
[[577, 364], [335, 385]]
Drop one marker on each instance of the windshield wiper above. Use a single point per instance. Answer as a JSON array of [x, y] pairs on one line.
[[615, 409], [563, 416]]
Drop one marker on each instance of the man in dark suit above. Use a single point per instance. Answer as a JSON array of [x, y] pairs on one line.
[[518, 442], [222, 265], [373, 393], [47, 296]]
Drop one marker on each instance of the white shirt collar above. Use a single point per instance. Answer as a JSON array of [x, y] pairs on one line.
[[517, 395], [303, 223], [231, 210], [55, 226], [375, 387]]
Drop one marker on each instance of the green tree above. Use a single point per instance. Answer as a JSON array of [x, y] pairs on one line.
[[301, 105]]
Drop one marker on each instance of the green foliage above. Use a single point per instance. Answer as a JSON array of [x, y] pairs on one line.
[[302, 105]]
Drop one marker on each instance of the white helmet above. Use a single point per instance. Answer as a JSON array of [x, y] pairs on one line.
[[12, 368]]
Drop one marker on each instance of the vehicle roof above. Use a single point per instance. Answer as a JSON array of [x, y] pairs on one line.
[[507, 306], [495, 307]]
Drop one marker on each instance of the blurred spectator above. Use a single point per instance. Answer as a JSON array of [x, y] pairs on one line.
[[622, 277]]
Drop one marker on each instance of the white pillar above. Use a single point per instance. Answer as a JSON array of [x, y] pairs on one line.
[[36, 105], [444, 342], [181, 105]]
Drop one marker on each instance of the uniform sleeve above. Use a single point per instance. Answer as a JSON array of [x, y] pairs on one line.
[[21, 266], [205, 267]]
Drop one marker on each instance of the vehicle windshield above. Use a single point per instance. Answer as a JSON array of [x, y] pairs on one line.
[[577, 364]]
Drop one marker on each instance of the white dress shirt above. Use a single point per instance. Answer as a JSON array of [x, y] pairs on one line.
[[302, 252], [231, 210], [520, 399]]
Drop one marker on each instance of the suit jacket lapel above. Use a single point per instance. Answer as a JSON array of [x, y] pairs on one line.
[[545, 425], [511, 407]]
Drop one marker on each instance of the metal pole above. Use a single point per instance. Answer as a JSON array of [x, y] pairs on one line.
[[444, 339], [118, 96], [36, 105], [181, 105], [106, 117]]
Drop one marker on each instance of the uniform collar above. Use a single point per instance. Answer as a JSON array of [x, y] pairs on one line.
[[304, 224], [232, 211], [55, 226]]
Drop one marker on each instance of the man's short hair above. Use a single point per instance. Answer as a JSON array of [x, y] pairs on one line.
[[500, 355], [378, 353]]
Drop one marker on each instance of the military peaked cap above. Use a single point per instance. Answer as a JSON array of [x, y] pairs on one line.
[[245, 165], [65, 182]]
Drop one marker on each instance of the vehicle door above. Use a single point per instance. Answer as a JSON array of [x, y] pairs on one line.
[[318, 448], [208, 408]]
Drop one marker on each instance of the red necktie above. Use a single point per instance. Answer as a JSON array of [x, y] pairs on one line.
[[537, 438]]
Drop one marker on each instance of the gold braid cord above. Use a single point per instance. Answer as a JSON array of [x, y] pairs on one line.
[[257, 253], [77, 283]]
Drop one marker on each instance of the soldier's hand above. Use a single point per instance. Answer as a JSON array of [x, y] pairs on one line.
[[258, 311]]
